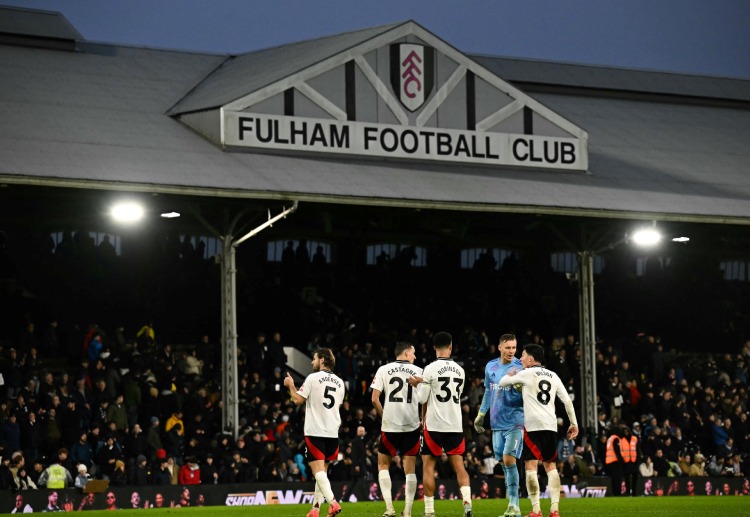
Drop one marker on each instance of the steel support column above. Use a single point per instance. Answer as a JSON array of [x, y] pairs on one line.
[[229, 381], [588, 343], [230, 388]]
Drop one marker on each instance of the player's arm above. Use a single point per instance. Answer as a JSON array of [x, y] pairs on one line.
[[376, 402], [423, 391], [484, 407], [562, 394], [296, 397], [511, 379]]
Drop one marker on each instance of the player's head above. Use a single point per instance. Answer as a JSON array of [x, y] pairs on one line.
[[507, 347], [323, 359], [534, 353], [442, 341], [405, 352]]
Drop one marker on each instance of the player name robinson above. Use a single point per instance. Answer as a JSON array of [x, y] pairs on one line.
[[401, 142]]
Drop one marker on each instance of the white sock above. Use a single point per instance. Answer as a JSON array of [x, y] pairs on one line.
[[465, 493], [411, 490], [553, 478], [325, 486], [384, 478], [429, 504], [532, 486], [318, 496]]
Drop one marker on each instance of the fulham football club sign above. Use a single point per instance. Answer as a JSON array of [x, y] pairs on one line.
[[344, 105], [412, 73]]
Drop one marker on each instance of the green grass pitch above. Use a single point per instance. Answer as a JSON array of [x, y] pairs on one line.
[[731, 506]]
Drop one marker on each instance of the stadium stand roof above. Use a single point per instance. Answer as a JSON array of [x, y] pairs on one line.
[[661, 145]]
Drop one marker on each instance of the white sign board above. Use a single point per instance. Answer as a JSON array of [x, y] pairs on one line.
[[284, 133]]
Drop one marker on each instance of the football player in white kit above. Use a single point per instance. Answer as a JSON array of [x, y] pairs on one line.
[[400, 423], [540, 387], [322, 393], [440, 389]]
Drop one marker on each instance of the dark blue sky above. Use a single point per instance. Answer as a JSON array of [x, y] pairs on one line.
[[709, 37]]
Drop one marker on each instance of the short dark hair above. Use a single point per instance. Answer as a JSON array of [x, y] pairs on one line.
[[535, 351], [401, 347], [507, 337], [326, 354], [442, 340]]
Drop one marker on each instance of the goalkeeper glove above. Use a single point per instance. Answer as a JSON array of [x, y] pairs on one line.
[[479, 423]]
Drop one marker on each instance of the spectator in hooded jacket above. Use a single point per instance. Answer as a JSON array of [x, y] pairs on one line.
[[190, 472]]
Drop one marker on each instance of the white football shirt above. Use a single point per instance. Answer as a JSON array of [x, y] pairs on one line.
[[441, 388], [401, 408], [323, 392], [540, 387]]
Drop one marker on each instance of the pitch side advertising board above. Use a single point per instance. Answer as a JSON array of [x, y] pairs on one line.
[[249, 494]]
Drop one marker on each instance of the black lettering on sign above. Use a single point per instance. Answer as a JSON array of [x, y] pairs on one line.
[[245, 124], [391, 143], [370, 136], [301, 132], [318, 135], [567, 152], [409, 142], [520, 154], [340, 136]]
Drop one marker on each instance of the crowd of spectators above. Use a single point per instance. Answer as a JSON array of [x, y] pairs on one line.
[[137, 412]]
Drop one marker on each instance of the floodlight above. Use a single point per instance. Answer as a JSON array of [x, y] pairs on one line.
[[646, 237], [127, 212]]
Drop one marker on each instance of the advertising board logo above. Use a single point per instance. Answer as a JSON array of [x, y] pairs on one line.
[[263, 497], [412, 73]]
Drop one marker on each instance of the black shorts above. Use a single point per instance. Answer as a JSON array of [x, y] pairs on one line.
[[435, 442], [399, 444], [321, 448], [539, 445]]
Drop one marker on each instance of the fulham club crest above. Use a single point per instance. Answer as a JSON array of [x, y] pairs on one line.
[[412, 73]]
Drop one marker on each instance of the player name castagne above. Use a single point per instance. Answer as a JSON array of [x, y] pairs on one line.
[[328, 378], [402, 369]]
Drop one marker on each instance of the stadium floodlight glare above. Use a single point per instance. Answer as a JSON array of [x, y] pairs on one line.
[[647, 237], [127, 212], [681, 239], [170, 215]]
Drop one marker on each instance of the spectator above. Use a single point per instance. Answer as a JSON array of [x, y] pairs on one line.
[[190, 472], [153, 438], [697, 469], [83, 476], [140, 475], [162, 475], [209, 472], [646, 468], [118, 477], [683, 462], [661, 464], [570, 471]]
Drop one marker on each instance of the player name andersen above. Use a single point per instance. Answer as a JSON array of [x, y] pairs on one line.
[[403, 142]]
